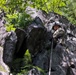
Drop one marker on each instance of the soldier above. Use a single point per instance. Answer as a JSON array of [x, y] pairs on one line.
[[63, 49], [58, 32]]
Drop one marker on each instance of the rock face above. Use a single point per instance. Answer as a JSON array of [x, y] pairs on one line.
[[63, 58], [21, 43], [52, 49], [4, 69], [35, 34], [3, 35], [9, 48]]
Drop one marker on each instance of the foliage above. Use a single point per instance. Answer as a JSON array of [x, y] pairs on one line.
[[70, 10], [16, 9], [15, 12], [23, 20], [10, 28], [2, 68], [22, 65], [49, 5], [26, 65], [27, 57], [19, 19]]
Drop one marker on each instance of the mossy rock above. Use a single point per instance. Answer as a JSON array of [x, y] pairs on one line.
[[2, 68]]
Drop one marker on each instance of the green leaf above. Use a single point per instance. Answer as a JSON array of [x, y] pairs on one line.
[[62, 4], [10, 28]]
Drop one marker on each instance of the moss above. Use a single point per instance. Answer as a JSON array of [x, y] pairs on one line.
[[27, 57], [2, 68], [22, 66]]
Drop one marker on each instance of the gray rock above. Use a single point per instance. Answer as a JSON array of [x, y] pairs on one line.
[[35, 34], [3, 73], [3, 66], [9, 48], [34, 71], [21, 46], [63, 54], [3, 35]]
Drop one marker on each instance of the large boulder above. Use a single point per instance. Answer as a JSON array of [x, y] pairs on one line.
[[36, 35], [9, 48], [21, 45], [63, 58], [4, 69]]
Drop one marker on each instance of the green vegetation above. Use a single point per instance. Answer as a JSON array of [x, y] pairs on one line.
[[22, 65], [10, 28], [70, 10], [27, 55], [16, 15], [2, 68]]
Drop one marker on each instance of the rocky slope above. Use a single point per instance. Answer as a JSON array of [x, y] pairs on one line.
[[52, 50]]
